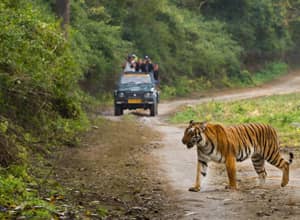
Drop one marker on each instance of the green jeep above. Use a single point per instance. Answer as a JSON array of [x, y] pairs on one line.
[[136, 90]]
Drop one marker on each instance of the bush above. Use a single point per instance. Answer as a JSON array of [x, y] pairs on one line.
[[271, 71], [38, 72], [183, 86]]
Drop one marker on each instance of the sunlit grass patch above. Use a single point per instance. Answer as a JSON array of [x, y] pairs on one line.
[[282, 112]]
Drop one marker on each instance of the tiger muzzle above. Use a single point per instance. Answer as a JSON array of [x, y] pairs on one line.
[[189, 145]]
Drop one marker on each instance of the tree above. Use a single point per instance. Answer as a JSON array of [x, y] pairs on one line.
[[63, 11]]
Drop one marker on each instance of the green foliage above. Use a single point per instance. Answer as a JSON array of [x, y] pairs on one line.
[[182, 42], [282, 112], [271, 71], [3, 126], [183, 86], [293, 21], [193, 38], [197, 39], [40, 100], [17, 199], [102, 212], [98, 46], [259, 26], [245, 78], [38, 71]]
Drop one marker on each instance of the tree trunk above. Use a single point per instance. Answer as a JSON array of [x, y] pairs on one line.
[[63, 11]]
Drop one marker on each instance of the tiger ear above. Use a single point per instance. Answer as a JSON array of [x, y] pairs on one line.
[[203, 125], [191, 122]]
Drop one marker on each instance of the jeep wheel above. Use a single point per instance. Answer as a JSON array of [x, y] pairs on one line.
[[118, 110], [153, 109]]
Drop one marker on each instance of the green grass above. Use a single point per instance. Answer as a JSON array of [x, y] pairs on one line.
[[271, 71], [183, 86], [282, 112]]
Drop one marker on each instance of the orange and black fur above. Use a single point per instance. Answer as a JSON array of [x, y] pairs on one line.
[[235, 143]]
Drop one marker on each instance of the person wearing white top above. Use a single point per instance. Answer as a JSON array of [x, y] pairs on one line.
[[130, 64]]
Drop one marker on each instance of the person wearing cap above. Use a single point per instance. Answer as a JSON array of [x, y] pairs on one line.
[[147, 66]]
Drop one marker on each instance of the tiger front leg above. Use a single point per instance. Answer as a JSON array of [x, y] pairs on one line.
[[201, 169], [196, 187], [231, 172]]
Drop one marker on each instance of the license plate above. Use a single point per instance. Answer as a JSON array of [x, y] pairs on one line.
[[134, 101]]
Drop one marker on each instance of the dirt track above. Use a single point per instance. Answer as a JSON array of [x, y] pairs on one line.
[[214, 202]]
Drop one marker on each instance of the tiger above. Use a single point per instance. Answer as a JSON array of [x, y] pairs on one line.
[[221, 144]]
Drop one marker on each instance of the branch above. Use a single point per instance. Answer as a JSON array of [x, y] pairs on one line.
[[201, 4]]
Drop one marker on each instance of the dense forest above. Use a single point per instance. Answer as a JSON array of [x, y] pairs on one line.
[[209, 41], [54, 57]]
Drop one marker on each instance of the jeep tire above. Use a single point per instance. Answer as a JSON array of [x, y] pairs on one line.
[[118, 110], [153, 109]]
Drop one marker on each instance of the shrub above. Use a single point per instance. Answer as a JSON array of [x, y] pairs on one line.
[[38, 72]]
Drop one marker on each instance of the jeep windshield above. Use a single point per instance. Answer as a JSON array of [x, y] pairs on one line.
[[134, 81]]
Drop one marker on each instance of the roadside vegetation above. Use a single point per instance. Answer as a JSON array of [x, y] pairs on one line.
[[281, 111], [184, 86], [41, 104], [270, 72]]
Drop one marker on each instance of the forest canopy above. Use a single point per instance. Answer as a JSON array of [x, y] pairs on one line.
[[209, 41], [204, 40]]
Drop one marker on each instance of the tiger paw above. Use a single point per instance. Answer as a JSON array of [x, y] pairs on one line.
[[262, 181], [231, 187], [284, 183], [194, 189]]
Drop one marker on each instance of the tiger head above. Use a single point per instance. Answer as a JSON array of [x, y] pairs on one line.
[[193, 134]]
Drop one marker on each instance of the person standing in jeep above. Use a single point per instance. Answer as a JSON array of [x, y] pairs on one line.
[[147, 66], [155, 73], [129, 65]]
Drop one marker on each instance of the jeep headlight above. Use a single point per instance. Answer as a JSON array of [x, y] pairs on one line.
[[121, 94], [147, 94]]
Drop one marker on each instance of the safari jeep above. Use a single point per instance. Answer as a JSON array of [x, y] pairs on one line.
[[136, 90]]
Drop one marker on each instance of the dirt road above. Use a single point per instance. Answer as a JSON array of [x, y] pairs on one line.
[[214, 202]]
